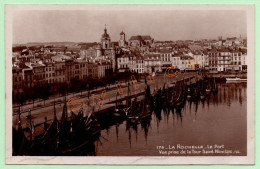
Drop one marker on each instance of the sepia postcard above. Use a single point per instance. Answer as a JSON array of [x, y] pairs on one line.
[[130, 84]]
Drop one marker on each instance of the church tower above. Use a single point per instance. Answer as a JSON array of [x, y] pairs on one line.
[[105, 40], [122, 39]]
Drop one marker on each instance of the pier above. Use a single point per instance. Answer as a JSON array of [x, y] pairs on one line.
[[91, 105]]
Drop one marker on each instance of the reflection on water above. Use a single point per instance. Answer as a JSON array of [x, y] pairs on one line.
[[219, 119]]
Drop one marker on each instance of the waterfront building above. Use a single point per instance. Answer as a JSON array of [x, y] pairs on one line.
[[139, 68], [186, 63], [136, 63], [92, 70], [176, 60], [70, 70], [166, 59], [59, 76], [213, 62], [82, 70], [28, 85], [223, 59], [152, 62], [104, 68], [238, 60], [200, 59], [17, 83], [38, 74], [50, 73], [123, 63]]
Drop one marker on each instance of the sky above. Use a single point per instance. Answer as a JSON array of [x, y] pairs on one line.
[[88, 25]]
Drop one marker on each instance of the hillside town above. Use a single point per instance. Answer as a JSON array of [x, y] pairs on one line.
[[36, 66]]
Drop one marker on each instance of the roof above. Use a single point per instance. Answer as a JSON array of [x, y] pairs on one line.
[[214, 50], [73, 48], [224, 50], [80, 61], [23, 66], [124, 56], [244, 51], [60, 57], [48, 64], [37, 65], [141, 37], [105, 34], [122, 33], [152, 56], [165, 51], [235, 51], [83, 47], [197, 52], [186, 57], [233, 38]]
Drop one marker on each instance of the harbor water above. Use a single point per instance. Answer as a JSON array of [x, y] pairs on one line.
[[219, 121]]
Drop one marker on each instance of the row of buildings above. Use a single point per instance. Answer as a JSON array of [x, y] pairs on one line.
[[140, 54], [33, 75], [215, 60]]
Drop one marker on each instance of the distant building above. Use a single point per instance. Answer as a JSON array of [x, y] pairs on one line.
[[107, 49], [122, 41], [140, 40]]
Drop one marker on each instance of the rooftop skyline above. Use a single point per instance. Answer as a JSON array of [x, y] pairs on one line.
[[88, 26]]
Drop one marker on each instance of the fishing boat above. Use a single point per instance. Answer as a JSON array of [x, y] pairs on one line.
[[214, 89], [67, 136], [179, 102], [202, 91], [188, 93], [141, 109], [119, 109], [20, 143]]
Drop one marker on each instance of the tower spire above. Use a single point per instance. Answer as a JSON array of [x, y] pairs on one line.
[[105, 28]]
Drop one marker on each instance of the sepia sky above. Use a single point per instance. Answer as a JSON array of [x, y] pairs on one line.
[[88, 26]]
